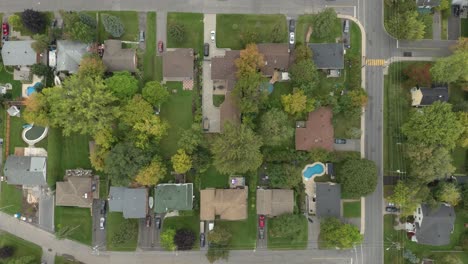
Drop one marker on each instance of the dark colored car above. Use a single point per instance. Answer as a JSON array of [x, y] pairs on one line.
[[310, 220], [456, 10], [157, 221], [292, 25], [391, 209], [407, 54], [5, 29], [103, 207], [148, 221], [261, 221], [206, 49], [160, 46], [340, 141], [202, 240]]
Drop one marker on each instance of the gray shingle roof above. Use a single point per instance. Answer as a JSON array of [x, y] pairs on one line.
[[18, 53], [69, 55], [25, 170], [132, 202], [328, 55], [328, 200], [436, 226], [431, 95], [173, 197]]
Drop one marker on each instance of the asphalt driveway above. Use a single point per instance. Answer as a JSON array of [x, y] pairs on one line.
[[351, 145], [46, 210], [99, 235]]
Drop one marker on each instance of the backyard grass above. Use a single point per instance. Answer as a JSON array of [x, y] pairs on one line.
[[177, 110], [22, 247], [78, 220], [280, 88], [6, 77], [218, 99], [235, 30], [129, 20], [113, 224], [464, 27], [149, 60], [460, 160], [11, 199], [211, 178], [158, 68], [191, 222], [193, 24], [352, 209], [427, 20], [298, 242], [303, 23]]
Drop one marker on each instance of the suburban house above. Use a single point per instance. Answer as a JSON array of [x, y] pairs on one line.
[[173, 197], [178, 66], [132, 202], [117, 58], [275, 56], [328, 200], [328, 56], [317, 131], [69, 55], [28, 171], [275, 202], [228, 204], [18, 53], [427, 96], [432, 226], [78, 189]]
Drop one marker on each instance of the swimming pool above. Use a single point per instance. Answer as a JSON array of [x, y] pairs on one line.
[[34, 88], [315, 169]]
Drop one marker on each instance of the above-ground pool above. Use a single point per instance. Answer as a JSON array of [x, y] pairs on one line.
[[34, 88], [315, 169], [33, 134]]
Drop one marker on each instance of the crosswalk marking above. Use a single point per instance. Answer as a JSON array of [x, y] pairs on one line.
[[375, 62]]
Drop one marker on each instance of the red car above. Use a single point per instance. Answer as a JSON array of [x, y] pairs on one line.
[[160, 46], [261, 221], [5, 29]]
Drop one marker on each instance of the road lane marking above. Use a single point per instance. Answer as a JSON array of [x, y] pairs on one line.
[[375, 62]]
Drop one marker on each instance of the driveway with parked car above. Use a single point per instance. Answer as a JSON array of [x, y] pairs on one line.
[[262, 232], [342, 144], [99, 223], [292, 30]]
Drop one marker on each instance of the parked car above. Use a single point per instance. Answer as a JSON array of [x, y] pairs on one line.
[[102, 221], [202, 240], [310, 220], [291, 38], [157, 221], [261, 221], [206, 49], [212, 35], [160, 46], [292, 25], [407, 54], [391, 209], [142, 36], [5, 29], [346, 26], [103, 207], [206, 124], [340, 141], [456, 10], [148, 221]]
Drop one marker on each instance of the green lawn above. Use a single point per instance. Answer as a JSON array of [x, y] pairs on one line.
[[158, 68], [11, 199], [21, 246], [303, 23], [464, 27], [460, 160], [76, 219], [193, 24], [218, 99], [423, 250], [178, 112], [397, 107], [129, 20], [280, 88], [191, 222], [235, 30], [63, 260], [113, 224], [299, 242], [16, 128], [342, 125], [427, 20], [211, 178], [352, 209], [6, 77], [149, 60]]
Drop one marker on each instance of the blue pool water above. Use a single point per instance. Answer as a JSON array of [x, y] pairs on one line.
[[314, 170], [34, 88]]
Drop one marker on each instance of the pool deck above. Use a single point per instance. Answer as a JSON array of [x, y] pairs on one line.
[[24, 86], [310, 186]]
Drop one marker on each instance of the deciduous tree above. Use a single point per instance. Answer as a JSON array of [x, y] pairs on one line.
[[284, 175], [34, 21], [275, 128], [113, 25], [463, 117], [418, 74], [435, 125], [151, 174], [220, 236], [452, 68], [237, 150], [37, 109], [167, 239], [303, 52], [286, 226], [91, 66], [304, 75], [181, 162], [250, 61], [184, 239], [405, 25], [251, 92], [297, 103], [155, 93], [404, 197], [448, 193], [190, 139], [324, 24], [123, 84], [358, 177], [336, 234], [428, 163], [15, 21], [41, 43], [358, 97]]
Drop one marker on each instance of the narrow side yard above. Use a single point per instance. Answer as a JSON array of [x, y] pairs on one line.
[[149, 60], [192, 25]]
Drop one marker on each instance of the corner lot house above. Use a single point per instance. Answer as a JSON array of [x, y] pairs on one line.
[[78, 191], [433, 226], [275, 202], [69, 55], [117, 58], [328, 56], [228, 204], [427, 96], [178, 66], [173, 197], [132, 202], [18, 53], [328, 200], [318, 131], [28, 171]]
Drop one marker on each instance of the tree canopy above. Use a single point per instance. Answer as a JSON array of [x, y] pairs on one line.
[[155, 93], [405, 25], [297, 103], [34, 21], [181, 162], [284, 175], [435, 125], [167, 239], [91, 66], [304, 75], [237, 150], [452, 68], [324, 23], [428, 163], [41, 43], [79, 26], [275, 128], [123, 84], [190, 139], [151, 174], [184, 239], [286, 226], [358, 177], [37, 109], [405, 197], [336, 234], [251, 92], [448, 193], [303, 52], [113, 25], [250, 61]]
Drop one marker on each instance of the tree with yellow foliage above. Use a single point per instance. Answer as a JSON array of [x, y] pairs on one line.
[[181, 162], [151, 174]]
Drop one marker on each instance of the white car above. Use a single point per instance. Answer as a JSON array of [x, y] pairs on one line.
[[212, 35], [101, 223], [291, 38]]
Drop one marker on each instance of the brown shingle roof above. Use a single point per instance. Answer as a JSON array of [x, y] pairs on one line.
[[275, 202], [178, 64], [118, 59], [224, 68], [318, 132], [229, 204], [229, 111], [76, 191], [275, 55]]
